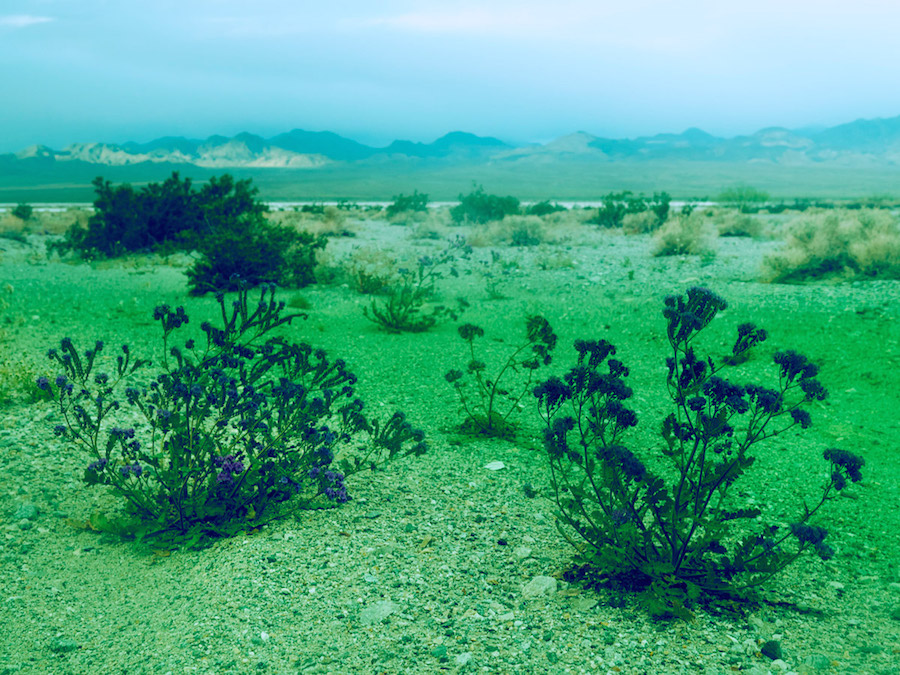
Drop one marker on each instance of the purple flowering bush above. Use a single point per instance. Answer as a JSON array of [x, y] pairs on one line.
[[497, 397], [230, 431], [675, 530]]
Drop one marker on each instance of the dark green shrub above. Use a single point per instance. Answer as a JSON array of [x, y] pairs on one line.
[[248, 250], [170, 214], [544, 208], [23, 211], [679, 532], [480, 207], [416, 202]]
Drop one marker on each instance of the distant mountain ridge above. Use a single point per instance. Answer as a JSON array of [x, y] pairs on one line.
[[873, 142]]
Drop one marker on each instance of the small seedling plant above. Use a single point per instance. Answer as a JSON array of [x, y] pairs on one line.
[[496, 398], [229, 432], [406, 309], [679, 533]]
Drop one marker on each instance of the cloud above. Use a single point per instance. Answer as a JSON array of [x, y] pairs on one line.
[[501, 19], [22, 20]]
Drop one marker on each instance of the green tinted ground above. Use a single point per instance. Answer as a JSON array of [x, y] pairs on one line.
[[603, 285], [37, 181]]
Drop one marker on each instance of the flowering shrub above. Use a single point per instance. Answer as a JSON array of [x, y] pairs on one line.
[[484, 414], [681, 533], [231, 430], [404, 310]]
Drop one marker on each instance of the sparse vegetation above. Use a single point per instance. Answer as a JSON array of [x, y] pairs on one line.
[[498, 396], [842, 244], [685, 235], [745, 198], [479, 207], [617, 205], [404, 204], [23, 212]]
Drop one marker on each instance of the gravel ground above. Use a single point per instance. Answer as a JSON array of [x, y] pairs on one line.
[[444, 563]]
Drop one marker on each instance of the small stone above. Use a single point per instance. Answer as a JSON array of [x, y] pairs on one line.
[[836, 585], [377, 612], [522, 552], [463, 659], [772, 649], [496, 465], [26, 512], [540, 585], [817, 661], [757, 624]]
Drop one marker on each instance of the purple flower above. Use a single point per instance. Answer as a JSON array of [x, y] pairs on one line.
[[801, 417], [97, 466], [43, 383], [810, 534], [131, 469]]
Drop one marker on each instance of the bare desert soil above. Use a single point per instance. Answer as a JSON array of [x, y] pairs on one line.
[[440, 564]]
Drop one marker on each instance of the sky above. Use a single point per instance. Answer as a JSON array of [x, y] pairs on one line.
[[519, 70]]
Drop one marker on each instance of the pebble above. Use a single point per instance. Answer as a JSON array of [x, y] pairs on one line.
[[538, 586], [377, 612], [26, 511], [817, 661]]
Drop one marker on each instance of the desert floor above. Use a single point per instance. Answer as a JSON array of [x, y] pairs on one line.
[[427, 569]]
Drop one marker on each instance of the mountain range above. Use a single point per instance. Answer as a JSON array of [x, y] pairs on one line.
[[864, 143]]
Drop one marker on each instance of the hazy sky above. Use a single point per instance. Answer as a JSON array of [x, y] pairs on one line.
[[521, 70]]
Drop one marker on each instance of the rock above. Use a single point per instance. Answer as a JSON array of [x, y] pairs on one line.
[[463, 659], [539, 586], [377, 612], [522, 552], [26, 512], [772, 649], [817, 662]]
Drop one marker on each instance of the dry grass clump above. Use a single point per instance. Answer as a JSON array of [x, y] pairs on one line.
[[841, 244], [692, 234], [733, 223], [46, 222], [434, 224], [644, 222], [371, 271], [329, 221], [513, 231]]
